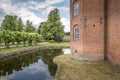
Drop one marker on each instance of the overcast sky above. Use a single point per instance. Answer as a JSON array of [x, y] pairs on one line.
[[35, 10]]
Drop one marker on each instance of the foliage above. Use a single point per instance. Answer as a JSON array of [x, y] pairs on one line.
[[51, 41], [8, 37], [20, 25], [30, 39], [66, 40], [40, 26], [24, 37], [29, 27], [12, 23], [53, 27], [58, 39], [18, 37], [37, 38], [67, 33]]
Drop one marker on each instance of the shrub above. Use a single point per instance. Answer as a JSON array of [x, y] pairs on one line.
[[58, 39], [51, 41]]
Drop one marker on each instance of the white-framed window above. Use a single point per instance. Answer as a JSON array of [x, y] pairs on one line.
[[76, 34], [76, 8]]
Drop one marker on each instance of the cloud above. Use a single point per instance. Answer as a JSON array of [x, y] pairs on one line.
[[25, 10], [48, 9], [42, 5], [26, 14], [66, 23], [6, 8]]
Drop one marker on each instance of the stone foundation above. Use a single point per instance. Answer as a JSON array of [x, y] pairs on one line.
[[87, 57]]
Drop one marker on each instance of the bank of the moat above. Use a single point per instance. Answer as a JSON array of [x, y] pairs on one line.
[[36, 65], [70, 69], [28, 50]]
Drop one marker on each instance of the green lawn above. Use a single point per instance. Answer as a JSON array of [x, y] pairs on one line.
[[78, 70], [64, 44], [11, 49]]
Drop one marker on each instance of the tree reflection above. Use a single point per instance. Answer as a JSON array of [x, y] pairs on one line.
[[18, 63]]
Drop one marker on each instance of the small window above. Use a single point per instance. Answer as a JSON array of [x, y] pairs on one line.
[[76, 8], [76, 34]]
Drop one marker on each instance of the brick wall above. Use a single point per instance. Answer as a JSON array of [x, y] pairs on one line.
[[93, 29], [76, 45], [91, 24], [113, 31]]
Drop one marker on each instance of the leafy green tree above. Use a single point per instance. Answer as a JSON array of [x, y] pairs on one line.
[[40, 26], [9, 23], [18, 37], [37, 38], [1, 37], [29, 27], [67, 33], [20, 25], [7, 37], [24, 37], [30, 39], [13, 37], [53, 27]]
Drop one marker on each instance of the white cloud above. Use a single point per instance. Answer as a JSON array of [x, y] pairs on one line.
[[48, 9], [66, 23], [25, 14], [23, 10], [41, 5]]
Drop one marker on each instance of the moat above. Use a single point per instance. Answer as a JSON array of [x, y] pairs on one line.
[[36, 65]]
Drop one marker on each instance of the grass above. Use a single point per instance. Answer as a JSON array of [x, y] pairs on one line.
[[12, 49], [75, 70], [63, 44]]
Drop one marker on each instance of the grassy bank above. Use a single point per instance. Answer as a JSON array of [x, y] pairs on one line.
[[11, 49], [75, 70]]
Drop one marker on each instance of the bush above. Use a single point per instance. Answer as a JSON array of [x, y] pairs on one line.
[[58, 39], [66, 40], [51, 41]]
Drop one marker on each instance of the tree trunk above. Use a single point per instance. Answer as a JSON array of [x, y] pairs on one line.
[[17, 44], [7, 44]]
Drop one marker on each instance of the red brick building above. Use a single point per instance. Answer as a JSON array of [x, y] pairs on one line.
[[95, 30]]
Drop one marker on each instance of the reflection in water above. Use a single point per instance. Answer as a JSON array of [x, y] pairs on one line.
[[32, 66]]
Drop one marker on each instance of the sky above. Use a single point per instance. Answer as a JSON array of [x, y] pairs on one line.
[[36, 10]]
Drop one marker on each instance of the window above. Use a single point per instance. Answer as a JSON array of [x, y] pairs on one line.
[[76, 34], [76, 8]]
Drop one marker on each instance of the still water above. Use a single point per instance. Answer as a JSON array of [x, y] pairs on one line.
[[33, 66]]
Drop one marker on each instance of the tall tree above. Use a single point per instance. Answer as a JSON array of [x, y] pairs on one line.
[[40, 26], [20, 25], [53, 27], [9, 23], [29, 27]]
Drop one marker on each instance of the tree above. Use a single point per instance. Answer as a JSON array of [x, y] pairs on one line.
[[37, 38], [18, 37], [7, 37], [9, 23], [67, 33], [53, 27], [20, 25], [1, 37], [30, 39], [40, 26], [24, 37], [29, 27]]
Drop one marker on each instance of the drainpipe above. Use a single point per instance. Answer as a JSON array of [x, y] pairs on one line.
[[105, 29]]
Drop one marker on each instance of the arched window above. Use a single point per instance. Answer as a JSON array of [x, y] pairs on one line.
[[76, 33], [76, 8]]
